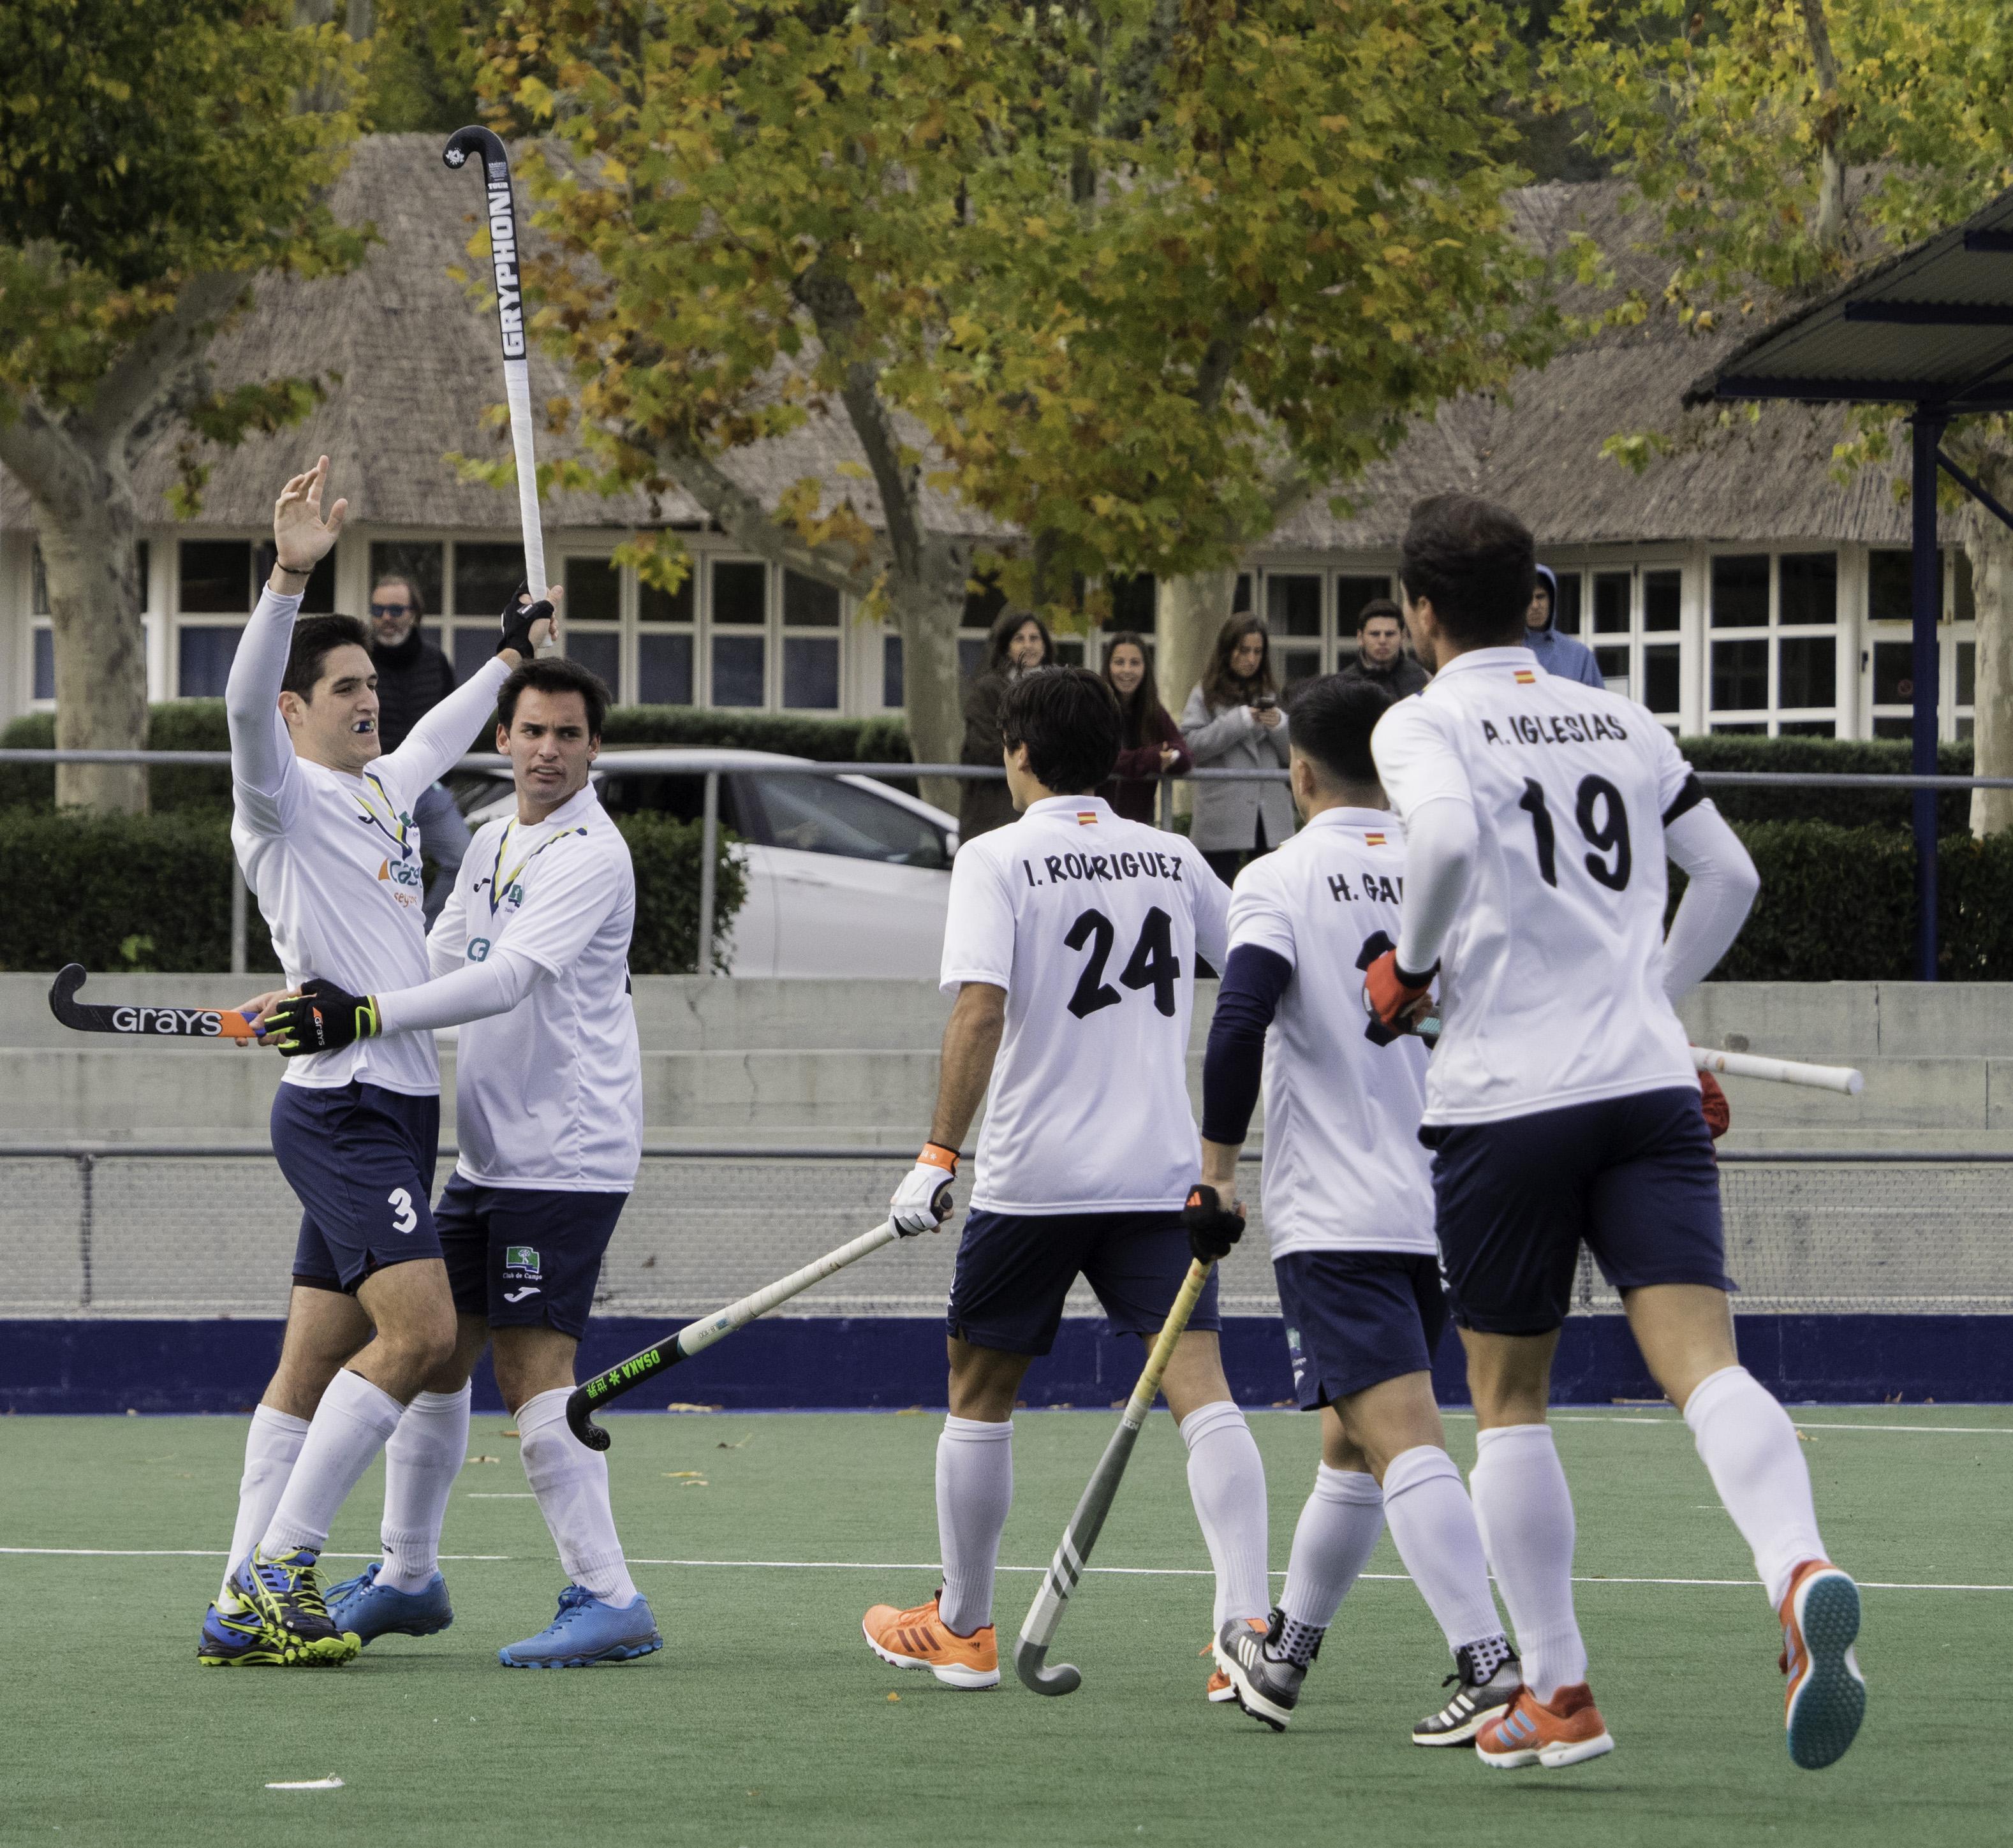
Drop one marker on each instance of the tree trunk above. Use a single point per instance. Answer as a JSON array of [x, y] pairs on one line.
[[100, 647], [927, 614], [1191, 610], [1989, 545]]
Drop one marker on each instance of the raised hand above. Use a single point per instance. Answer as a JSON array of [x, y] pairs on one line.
[[301, 536]]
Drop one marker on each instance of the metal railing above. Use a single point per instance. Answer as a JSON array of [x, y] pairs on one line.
[[713, 764]]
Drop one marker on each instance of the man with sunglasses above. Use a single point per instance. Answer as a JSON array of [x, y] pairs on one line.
[[414, 676]]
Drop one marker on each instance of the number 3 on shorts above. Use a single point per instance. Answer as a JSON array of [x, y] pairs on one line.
[[403, 1218]]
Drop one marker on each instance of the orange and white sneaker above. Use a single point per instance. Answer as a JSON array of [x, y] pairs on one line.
[[1826, 1699], [1561, 1731], [919, 1638]]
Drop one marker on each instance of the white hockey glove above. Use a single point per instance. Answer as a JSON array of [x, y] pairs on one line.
[[922, 1202]]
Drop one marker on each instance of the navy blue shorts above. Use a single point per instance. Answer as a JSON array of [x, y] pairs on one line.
[[525, 1258], [1014, 1269], [1355, 1319], [1633, 1178], [361, 1160]]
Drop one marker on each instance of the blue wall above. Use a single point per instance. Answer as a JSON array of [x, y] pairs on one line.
[[831, 1363]]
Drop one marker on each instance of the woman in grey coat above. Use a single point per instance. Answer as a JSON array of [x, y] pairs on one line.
[[1233, 721]]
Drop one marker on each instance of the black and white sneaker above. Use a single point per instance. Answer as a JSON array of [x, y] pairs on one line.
[[1266, 1688], [1475, 1704]]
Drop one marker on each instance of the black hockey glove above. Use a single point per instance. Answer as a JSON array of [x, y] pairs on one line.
[[517, 620], [320, 1019], [1212, 1227]]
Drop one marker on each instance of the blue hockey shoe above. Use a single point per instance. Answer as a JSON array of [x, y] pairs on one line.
[[585, 1632], [372, 1610], [281, 1591]]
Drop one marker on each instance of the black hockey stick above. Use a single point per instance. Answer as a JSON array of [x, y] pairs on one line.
[[501, 212], [140, 1017], [695, 1337], [1046, 1614]]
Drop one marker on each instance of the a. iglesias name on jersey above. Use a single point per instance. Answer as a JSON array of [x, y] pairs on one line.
[[1556, 728]]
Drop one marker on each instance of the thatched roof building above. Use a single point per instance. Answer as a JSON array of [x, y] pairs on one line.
[[1675, 573]]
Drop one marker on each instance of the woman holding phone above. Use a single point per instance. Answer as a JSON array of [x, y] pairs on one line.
[[1232, 721]]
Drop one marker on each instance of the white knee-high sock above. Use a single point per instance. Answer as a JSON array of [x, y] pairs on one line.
[[270, 1448], [421, 1462], [1433, 1527], [1226, 1484], [571, 1483], [1749, 1446], [1336, 1536], [974, 1491], [1526, 1514], [352, 1424]]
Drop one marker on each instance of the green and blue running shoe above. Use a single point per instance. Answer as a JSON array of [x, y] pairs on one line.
[[239, 1638], [585, 1632], [1826, 1699], [367, 1610], [282, 1591]]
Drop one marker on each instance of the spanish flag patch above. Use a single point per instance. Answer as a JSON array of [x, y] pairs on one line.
[[1373, 840], [1525, 678], [1086, 817]]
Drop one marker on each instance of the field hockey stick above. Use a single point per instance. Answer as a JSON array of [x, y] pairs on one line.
[[503, 257], [694, 1338], [140, 1016], [1081, 1535], [1841, 1078]]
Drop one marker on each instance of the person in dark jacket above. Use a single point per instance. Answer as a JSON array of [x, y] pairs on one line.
[[1382, 657], [1151, 744], [414, 676], [1018, 645], [1556, 653]]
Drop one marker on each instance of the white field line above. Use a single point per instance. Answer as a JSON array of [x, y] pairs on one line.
[[1673, 1420], [857, 1565]]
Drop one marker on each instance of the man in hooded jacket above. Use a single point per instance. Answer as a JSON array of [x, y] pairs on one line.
[[1557, 654]]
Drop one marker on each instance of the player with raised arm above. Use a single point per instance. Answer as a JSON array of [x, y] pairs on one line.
[[1563, 1107], [1349, 1213], [530, 959], [322, 825], [1071, 945]]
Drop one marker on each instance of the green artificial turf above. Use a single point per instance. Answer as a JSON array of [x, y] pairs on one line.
[[765, 1720]]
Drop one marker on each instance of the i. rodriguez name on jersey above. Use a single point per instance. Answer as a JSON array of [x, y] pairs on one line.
[[1551, 975], [1092, 924]]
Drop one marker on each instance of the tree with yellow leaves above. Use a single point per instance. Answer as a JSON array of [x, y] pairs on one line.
[[1126, 279]]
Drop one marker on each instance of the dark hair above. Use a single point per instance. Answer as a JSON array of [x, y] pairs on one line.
[[1068, 719], [315, 638], [1378, 606], [1332, 719], [412, 590], [554, 674], [1475, 563], [1009, 624], [1138, 716], [1220, 686]]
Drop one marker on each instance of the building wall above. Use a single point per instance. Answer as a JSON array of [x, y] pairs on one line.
[[1802, 636]]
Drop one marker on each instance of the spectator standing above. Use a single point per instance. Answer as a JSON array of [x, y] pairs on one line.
[[414, 676], [1232, 721], [1382, 657], [1018, 645], [1557, 654], [1150, 743]]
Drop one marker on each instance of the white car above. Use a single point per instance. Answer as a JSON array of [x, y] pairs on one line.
[[845, 876]]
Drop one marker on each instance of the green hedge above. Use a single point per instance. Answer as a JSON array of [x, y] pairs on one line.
[[153, 891], [1830, 757], [1838, 904], [174, 725], [198, 725]]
